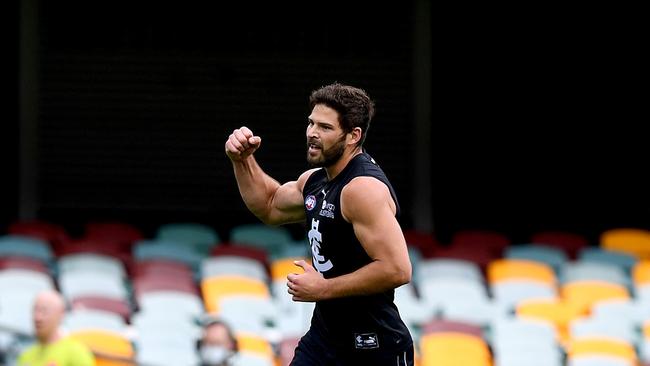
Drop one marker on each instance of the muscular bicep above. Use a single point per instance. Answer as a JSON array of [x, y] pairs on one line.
[[287, 204], [367, 204]]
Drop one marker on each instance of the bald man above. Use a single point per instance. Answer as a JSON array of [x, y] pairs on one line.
[[52, 348]]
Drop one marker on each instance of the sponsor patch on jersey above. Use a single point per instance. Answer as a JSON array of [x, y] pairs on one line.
[[327, 210], [310, 202], [366, 340]]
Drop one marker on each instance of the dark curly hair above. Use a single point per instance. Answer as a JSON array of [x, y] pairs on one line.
[[354, 106]]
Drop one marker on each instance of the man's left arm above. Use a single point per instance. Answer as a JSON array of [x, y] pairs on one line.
[[367, 204]]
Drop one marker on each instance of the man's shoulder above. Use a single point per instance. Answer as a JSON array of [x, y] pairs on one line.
[[80, 350], [28, 353], [64, 348], [312, 175]]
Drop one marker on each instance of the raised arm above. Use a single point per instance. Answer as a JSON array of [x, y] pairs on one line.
[[266, 198], [367, 204]]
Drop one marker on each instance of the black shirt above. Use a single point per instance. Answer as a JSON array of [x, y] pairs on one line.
[[356, 322]]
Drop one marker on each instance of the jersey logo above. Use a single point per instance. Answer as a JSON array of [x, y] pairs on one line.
[[366, 341], [310, 202], [315, 240], [327, 210]]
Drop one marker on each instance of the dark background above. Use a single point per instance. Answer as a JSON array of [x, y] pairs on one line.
[[536, 112]]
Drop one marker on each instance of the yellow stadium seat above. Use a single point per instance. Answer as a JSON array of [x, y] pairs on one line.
[[280, 268], [519, 269], [110, 348], [641, 273], [554, 311], [453, 349], [252, 343], [584, 294], [215, 288], [628, 240], [593, 346]]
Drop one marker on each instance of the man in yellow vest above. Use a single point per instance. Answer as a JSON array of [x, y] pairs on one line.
[[52, 347]]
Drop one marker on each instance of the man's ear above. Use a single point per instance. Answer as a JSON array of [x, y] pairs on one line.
[[355, 136]]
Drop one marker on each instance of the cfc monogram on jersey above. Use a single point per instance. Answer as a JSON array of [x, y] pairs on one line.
[[315, 240]]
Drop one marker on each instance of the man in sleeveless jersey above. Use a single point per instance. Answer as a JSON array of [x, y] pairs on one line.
[[359, 254]]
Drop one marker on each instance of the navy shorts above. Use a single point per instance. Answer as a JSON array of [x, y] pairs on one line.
[[312, 350]]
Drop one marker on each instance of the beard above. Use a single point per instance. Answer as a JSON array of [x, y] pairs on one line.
[[327, 157]]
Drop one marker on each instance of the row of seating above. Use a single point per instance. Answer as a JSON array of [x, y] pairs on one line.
[[590, 302], [243, 281], [152, 293]]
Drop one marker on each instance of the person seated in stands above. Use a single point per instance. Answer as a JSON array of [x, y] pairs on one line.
[[218, 345], [52, 347]]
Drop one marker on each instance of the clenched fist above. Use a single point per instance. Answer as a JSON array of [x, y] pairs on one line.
[[241, 144]]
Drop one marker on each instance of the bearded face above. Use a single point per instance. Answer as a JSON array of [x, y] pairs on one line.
[[319, 156]]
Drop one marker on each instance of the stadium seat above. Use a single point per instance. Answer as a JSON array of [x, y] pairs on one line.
[[21, 262], [594, 271], [494, 241], [453, 349], [424, 242], [633, 241], [120, 307], [622, 260], [109, 347], [517, 342], [154, 267], [245, 251], [92, 262], [602, 327], [250, 314], [584, 294], [156, 347], [167, 250], [548, 255], [554, 311], [93, 319], [571, 243], [450, 326], [50, 232], [18, 245], [85, 282], [16, 311], [460, 299], [164, 322], [256, 346], [19, 279], [98, 246], [507, 294], [213, 289], [628, 311], [641, 273], [273, 239], [601, 348], [519, 269], [448, 268], [119, 232], [201, 237], [234, 265], [412, 310], [155, 283], [480, 255], [172, 302]]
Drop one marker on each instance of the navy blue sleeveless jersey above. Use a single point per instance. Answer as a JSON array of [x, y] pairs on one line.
[[369, 322]]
